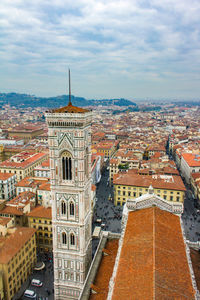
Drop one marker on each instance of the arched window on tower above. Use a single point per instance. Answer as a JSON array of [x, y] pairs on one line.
[[72, 239], [66, 166], [71, 209], [86, 162], [64, 238], [63, 208]]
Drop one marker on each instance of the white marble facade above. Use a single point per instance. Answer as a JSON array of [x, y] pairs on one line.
[[70, 170]]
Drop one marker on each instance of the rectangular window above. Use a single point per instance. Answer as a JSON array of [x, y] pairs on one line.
[[171, 198]]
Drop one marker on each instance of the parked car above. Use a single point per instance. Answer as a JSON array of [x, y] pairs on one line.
[[30, 294], [36, 282]]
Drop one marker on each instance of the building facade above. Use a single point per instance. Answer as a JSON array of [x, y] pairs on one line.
[[23, 164], [130, 186], [70, 172], [40, 218], [17, 256], [7, 186]]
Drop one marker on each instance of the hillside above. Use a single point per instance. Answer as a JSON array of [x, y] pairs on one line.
[[24, 100]]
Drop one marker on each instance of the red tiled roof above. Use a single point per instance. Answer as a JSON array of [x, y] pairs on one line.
[[26, 159], [13, 242], [45, 186], [4, 220], [41, 212], [5, 176], [101, 283], [192, 160], [153, 262], [146, 180], [10, 210], [70, 109], [195, 258]]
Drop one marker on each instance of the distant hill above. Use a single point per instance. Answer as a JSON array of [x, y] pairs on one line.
[[24, 100]]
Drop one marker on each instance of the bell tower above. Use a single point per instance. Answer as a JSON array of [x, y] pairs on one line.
[[69, 130]]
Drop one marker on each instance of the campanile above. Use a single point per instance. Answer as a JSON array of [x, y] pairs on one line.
[[69, 130]]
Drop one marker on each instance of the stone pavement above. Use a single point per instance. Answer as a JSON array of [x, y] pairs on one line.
[[105, 209], [46, 276]]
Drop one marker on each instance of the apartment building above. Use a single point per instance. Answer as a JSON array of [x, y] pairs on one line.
[[7, 186], [18, 208], [40, 218], [190, 163], [130, 186], [23, 164], [17, 256], [43, 170]]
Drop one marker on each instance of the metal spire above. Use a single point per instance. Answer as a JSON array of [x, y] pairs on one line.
[[69, 103]]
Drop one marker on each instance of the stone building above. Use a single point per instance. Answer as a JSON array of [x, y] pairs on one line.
[[70, 173]]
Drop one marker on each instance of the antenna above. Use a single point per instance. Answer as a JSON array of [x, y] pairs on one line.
[[69, 103]]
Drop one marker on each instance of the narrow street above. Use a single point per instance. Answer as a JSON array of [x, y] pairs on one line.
[[105, 209], [191, 217]]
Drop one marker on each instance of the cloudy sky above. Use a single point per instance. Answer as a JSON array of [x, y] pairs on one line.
[[114, 48]]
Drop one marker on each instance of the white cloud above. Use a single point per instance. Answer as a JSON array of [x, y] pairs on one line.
[[139, 43]]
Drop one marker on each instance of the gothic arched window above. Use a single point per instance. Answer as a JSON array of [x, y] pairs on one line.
[[66, 166], [63, 208], [71, 209], [64, 238], [72, 239], [86, 162]]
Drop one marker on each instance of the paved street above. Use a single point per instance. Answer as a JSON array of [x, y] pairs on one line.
[[191, 217], [105, 209], [46, 276]]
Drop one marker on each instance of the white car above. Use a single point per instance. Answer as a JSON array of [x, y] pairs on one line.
[[30, 294], [36, 282]]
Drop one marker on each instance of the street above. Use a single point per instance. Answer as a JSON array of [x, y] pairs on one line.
[[191, 217], [105, 209], [45, 292]]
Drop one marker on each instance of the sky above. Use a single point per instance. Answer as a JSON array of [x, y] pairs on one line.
[[135, 49]]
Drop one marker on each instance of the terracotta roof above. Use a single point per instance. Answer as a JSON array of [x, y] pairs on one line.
[[157, 181], [195, 175], [13, 242], [10, 210], [5, 176], [45, 186], [195, 258], [23, 197], [101, 283], [41, 212], [193, 160], [32, 182], [153, 262], [4, 220], [24, 160], [70, 109]]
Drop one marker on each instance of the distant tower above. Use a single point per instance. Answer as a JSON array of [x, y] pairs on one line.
[[69, 130]]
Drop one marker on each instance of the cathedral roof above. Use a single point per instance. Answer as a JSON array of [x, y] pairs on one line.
[[153, 262], [70, 109]]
